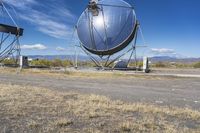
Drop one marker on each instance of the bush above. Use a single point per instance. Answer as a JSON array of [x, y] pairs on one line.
[[160, 64], [183, 65], [66, 63], [53, 63], [196, 65], [139, 64], [57, 63], [86, 64], [46, 63], [61, 63], [9, 62]]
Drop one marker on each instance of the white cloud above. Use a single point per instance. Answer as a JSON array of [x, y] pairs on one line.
[[48, 26], [34, 47], [163, 51], [60, 49], [22, 4], [52, 21]]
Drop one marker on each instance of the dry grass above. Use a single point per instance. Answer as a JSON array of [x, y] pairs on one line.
[[67, 72], [80, 74], [31, 109], [63, 122]]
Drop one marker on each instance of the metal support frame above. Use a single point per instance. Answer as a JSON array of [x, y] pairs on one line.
[[93, 6], [9, 42], [108, 63], [12, 49]]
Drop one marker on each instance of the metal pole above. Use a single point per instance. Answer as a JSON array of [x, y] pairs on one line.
[[76, 58]]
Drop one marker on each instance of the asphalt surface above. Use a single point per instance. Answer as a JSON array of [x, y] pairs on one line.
[[181, 92]]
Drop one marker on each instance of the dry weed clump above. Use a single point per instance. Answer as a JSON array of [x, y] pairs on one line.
[[32, 109]]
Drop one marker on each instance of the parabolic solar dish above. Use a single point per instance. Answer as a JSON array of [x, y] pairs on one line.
[[107, 27]]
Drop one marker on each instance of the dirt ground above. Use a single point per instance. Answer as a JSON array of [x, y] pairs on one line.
[[36, 109], [170, 91]]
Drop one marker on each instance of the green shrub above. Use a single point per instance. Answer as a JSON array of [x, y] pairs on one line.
[[160, 64], [51, 63], [86, 63], [139, 64], [42, 62], [183, 65], [57, 63], [66, 63], [61, 63], [9, 61], [196, 65]]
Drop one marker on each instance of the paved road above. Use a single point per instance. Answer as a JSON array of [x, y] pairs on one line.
[[182, 92]]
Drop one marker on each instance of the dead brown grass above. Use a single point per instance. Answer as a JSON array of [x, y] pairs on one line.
[[80, 74], [67, 72], [32, 109]]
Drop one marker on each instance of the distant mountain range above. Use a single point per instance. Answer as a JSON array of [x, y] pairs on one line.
[[86, 58], [173, 59]]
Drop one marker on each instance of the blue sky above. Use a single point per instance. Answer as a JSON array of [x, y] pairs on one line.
[[170, 27]]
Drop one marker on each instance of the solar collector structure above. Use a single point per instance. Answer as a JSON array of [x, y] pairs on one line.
[[9, 38], [107, 27], [11, 30]]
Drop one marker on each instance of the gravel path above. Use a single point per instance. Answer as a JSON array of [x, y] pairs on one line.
[[181, 92]]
